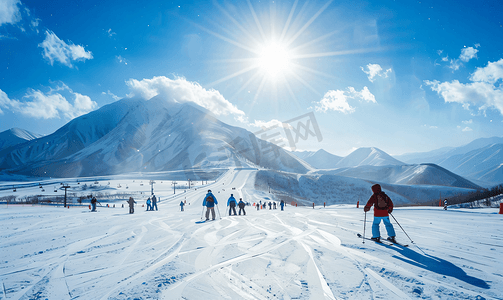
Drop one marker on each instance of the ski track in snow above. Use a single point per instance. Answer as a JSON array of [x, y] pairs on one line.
[[299, 253]]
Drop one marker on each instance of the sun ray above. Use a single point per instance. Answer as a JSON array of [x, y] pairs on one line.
[[305, 83], [314, 71], [235, 43], [316, 40], [257, 21], [235, 22], [242, 71], [337, 53], [287, 24], [289, 88], [246, 84], [300, 31], [261, 86]]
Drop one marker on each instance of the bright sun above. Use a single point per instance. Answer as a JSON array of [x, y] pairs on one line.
[[274, 60]]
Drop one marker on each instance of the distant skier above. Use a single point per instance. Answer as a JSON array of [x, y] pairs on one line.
[[258, 206], [231, 203], [93, 204], [131, 203], [241, 205], [270, 205], [382, 207], [181, 205], [209, 202], [154, 202], [274, 205], [445, 204], [282, 204], [149, 207]]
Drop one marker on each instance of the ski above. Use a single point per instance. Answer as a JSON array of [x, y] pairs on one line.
[[204, 221], [397, 243], [380, 242]]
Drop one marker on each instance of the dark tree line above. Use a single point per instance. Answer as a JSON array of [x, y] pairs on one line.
[[485, 194]]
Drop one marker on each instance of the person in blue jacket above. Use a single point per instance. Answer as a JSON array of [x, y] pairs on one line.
[[241, 205], [209, 202], [181, 205], [231, 203]]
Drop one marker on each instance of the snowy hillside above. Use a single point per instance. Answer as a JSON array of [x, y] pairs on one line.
[[323, 186], [479, 164], [422, 174], [52, 252], [320, 159], [15, 136], [367, 156], [439, 155], [74, 136], [478, 160], [137, 135]]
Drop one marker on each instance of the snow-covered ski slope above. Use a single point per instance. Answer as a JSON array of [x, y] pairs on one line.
[[300, 253]]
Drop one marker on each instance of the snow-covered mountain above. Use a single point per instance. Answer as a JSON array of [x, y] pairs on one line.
[[367, 156], [320, 159], [479, 160], [439, 155], [134, 135], [15, 136], [479, 164], [330, 187], [420, 174]]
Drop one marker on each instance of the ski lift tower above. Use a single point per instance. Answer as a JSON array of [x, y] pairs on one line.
[[66, 186], [189, 183], [174, 183], [152, 184]]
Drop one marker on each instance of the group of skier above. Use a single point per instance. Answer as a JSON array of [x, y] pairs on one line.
[[152, 203], [383, 206]]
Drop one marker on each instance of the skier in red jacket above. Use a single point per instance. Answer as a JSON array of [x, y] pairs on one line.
[[382, 206]]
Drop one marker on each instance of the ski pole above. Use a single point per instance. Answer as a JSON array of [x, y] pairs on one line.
[[364, 226], [219, 212], [202, 212], [402, 228]]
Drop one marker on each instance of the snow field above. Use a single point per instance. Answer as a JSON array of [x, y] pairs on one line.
[[299, 253]]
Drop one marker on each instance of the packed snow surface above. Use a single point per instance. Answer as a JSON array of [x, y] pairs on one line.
[[51, 252]]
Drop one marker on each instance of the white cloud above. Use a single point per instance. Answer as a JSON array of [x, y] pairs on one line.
[[269, 124], [121, 59], [466, 129], [115, 97], [338, 100], [482, 94], [9, 12], [468, 53], [180, 90], [110, 32], [375, 70], [491, 73], [57, 50], [467, 122], [365, 94], [49, 105]]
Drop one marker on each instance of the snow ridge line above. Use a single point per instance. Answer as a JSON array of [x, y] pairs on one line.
[[387, 284], [175, 248]]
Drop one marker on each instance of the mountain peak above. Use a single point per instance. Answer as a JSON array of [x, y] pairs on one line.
[[15, 136], [371, 156]]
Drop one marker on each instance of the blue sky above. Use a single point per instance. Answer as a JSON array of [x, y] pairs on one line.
[[403, 76]]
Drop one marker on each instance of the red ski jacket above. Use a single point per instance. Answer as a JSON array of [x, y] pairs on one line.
[[373, 201]]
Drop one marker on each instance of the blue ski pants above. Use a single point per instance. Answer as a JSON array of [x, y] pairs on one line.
[[387, 223]]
